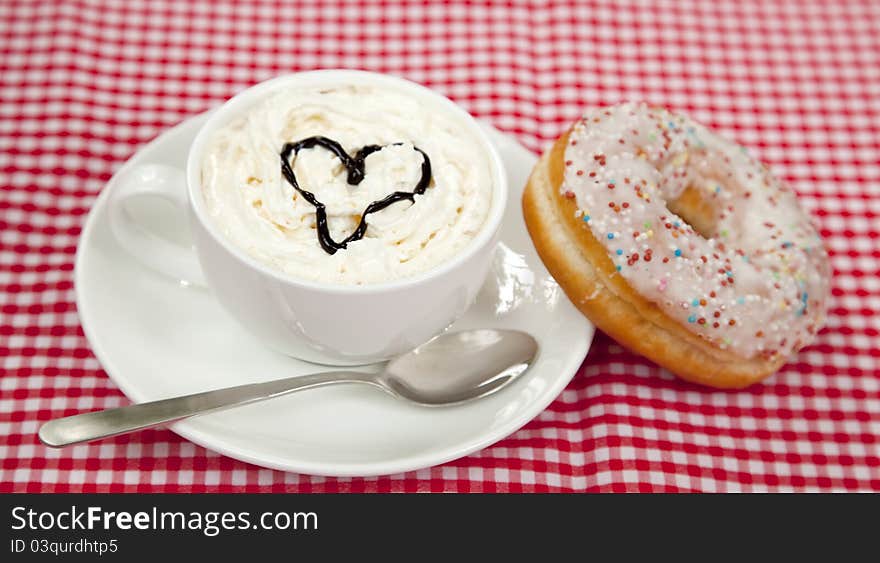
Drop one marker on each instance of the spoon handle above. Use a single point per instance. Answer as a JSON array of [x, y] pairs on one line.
[[90, 426]]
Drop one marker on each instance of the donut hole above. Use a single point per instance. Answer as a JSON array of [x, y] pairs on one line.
[[696, 210]]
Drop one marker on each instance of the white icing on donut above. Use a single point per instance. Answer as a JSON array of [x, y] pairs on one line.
[[758, 286]]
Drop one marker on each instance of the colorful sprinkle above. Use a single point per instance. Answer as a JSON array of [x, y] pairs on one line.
[[677, 252]]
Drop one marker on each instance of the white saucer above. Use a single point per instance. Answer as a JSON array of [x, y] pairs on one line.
[[157, 339]]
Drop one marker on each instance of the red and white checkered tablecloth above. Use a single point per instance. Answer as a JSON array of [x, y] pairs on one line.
[[85, 84]]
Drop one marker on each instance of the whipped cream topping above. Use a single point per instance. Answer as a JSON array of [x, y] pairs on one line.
[[757, 285], [261, 213]]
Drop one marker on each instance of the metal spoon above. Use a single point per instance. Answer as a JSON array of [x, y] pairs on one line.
[[449, 369]]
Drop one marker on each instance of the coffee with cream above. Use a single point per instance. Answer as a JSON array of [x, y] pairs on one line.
[[259, 208]]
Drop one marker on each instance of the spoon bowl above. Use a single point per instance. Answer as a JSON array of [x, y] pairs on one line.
[[449, 369], [460, 366]]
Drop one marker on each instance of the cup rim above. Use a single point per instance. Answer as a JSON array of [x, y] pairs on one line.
[[262, 89]]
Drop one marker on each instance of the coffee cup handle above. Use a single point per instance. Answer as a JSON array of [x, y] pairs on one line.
[[153, 181]]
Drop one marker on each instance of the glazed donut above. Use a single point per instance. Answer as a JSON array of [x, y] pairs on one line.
[[678, 244]]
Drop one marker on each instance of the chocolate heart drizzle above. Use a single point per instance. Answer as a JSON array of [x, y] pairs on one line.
[[355, 167]]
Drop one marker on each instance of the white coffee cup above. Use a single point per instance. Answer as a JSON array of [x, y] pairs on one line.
[[313, 321]]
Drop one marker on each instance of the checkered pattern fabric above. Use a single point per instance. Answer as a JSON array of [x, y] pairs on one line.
[[85, 83]]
